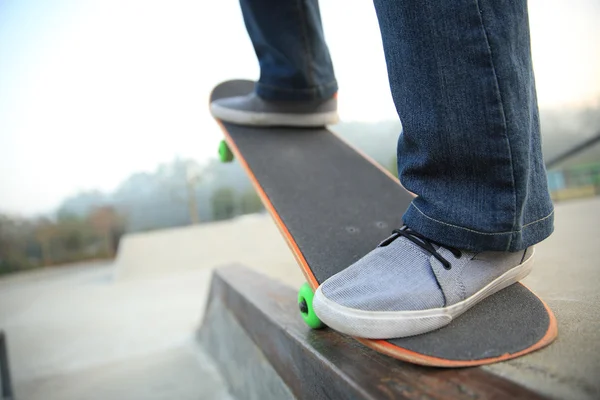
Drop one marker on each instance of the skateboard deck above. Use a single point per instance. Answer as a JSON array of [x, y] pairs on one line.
[[333, 205]]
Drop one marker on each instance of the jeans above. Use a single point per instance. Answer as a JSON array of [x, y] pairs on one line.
[[462, 81]]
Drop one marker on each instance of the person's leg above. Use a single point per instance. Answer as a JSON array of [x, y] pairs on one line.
[[462, 81], [297, 82], [288, 39]]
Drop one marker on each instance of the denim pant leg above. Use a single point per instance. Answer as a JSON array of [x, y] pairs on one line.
[[461, 78], [294, 60]]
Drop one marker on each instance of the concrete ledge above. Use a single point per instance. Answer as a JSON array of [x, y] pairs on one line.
[[264, 350]]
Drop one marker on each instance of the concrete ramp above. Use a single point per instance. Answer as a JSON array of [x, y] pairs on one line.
[[251, 238]]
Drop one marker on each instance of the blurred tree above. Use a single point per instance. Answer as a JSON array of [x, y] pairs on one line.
[[393, 166], [18, 247], [194, 176], [108, 225], [82, 203], [9, 258], [250, 202], [69, 239], [45, 230], [223, 204]]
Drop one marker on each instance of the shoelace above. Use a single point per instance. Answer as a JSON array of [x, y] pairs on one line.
[[422, 242]]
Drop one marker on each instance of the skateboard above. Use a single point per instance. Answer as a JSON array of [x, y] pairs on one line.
[[333, 205]]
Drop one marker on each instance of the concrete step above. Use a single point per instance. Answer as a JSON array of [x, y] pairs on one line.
[[263, 349]]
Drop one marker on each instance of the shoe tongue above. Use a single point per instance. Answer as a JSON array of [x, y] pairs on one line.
[[402, 241], [398, 240]]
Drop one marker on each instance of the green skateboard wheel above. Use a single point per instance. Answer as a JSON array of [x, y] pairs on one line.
[[305, 299], [225, 154]]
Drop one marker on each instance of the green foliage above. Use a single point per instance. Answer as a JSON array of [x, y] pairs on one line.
[[16, 249], [223, 204], [250, 203], [393, 166], [28, 244]]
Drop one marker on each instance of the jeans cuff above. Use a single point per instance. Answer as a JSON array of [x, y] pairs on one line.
[[271, 92], [463, 238]]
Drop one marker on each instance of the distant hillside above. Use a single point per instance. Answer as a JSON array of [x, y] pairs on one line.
[[162, 199]]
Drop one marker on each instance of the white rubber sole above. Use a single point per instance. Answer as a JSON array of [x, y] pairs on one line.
[[395, 324], [273, 119]]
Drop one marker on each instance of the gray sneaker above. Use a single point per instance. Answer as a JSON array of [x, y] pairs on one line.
[[410, 285], [253, 110]]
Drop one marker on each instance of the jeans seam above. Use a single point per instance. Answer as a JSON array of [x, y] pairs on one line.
[[305, 42], [499, 96], [483, 233]]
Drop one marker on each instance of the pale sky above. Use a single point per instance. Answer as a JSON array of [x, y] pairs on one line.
[[94, 90]]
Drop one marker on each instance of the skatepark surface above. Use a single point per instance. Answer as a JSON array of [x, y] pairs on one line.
[[126, 329]]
